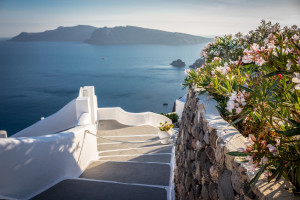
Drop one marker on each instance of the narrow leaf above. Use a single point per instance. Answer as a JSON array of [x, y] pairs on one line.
[[294, 122], [236, 153], [272, 87], [241, 117], [276, 73], [246, 89], [255, 179], [290, 133]]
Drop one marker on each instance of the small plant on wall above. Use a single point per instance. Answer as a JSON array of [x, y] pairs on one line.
[[165, 126]]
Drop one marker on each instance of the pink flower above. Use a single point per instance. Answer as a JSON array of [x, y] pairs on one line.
[[277, 142], [254, 46], [260, 61], [264, 160], [217, 58], [280, 76], [238, 110], [273, 149], [217, 53], [240, 149], [187, 71]]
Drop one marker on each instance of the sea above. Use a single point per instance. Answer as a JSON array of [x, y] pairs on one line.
[[39, 78]]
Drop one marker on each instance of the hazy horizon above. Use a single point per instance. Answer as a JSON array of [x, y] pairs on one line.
[[195, 17]]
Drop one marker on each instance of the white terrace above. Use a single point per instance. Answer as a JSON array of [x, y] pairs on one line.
[[86, 152]]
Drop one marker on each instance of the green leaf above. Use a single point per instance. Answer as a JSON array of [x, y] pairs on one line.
[[274, 174], [246, 89], [236, 153], [255, 117], [276, 73], [256, 177], [294, 122], [290, 133], [272, 87], [241, 117]]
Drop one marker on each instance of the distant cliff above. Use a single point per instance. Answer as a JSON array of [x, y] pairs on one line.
[[137, 35], [78, 33]]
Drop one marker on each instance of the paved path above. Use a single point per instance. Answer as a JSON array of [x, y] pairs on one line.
[[132, 165]]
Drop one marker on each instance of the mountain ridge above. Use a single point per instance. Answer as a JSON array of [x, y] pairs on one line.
[[112, 36]]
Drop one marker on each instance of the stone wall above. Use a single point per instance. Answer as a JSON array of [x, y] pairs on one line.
[[203, 168]]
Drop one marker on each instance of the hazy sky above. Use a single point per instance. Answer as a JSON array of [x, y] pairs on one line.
[[199, 17]]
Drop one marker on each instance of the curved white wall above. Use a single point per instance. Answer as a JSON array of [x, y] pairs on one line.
[[62, 120], [28, 165], [131, 119]]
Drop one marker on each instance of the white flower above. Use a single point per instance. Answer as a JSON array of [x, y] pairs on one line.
[[260, 61], [286, 51], [273, 149], [187, 71], [247, 59], [255, 47], [295, 37], [296, 80], [288, 65], [241, 150], [217, 53], [270, 46], [230, 106]]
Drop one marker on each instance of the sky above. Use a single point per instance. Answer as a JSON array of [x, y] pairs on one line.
[[197, 17]]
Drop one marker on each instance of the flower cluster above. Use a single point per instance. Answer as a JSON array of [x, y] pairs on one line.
[[236, 101], [256, 81]]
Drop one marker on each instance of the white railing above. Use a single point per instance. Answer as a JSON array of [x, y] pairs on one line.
[[61, 145], [29, 165], [131, 119]]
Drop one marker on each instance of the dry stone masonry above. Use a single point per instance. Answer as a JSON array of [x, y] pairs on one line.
[[203, 168]]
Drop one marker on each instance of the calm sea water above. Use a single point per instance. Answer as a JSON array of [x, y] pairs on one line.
[[38, 78]]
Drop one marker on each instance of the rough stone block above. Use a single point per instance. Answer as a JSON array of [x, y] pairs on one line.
[[236, 180], [219, 154], [213, 191], [215, 173], [204, 192], [225, 190], [210, 152], [198, 189], [206, 137], [228, 161], [213, 137]]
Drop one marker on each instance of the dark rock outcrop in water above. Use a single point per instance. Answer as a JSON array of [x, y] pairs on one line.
[[137, 35], [178, 63], [198, 63], [78, 33]]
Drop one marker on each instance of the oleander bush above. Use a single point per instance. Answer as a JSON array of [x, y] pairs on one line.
[[256, 81]]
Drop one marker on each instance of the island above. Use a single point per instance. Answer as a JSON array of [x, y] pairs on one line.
[[198, 63], [78, 33], [178, 63], [119, 35], [138, 35]]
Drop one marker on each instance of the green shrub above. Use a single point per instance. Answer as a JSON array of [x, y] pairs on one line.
[[171, 116], [256, 80]]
